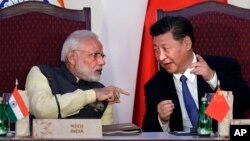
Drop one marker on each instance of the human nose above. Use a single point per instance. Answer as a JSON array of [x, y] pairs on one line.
[[101, 61], [162, 55]]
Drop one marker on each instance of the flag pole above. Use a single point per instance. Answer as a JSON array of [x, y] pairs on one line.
[[16, 83], [218, 129]]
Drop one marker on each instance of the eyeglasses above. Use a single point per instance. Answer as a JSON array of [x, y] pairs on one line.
[[95, 55]]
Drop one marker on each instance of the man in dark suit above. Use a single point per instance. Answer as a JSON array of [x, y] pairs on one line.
[[165, 105]]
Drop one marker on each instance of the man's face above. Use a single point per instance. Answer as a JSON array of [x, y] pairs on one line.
[[89, 60], [173, 55]]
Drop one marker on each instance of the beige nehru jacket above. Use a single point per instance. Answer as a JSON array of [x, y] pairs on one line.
[[43, 103]]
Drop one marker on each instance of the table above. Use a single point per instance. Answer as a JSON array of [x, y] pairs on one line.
[[146, 136]]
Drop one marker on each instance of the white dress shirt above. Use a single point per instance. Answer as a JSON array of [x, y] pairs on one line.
[[192, 86]]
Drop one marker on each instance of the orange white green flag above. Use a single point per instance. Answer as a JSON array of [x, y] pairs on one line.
[[218, 107], [16, 108]]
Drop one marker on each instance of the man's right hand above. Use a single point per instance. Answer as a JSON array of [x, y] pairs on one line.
[[110, 93], [165, 109]]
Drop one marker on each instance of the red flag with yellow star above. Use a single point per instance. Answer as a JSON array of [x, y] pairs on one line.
[[218, 107]]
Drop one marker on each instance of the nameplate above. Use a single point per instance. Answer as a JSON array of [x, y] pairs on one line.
[[67, 128]]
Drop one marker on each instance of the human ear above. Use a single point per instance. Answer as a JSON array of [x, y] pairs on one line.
[[71, 57], [187, 42]]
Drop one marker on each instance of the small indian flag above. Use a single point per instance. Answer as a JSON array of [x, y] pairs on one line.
[[16, 108]]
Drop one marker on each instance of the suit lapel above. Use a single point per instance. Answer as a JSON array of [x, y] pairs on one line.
[[203, 87], [176, 123]]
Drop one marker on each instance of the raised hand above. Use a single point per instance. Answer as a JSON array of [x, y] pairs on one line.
[[201, 68], [110, 93]]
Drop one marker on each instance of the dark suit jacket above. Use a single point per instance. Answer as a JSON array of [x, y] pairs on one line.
[[161, 87]]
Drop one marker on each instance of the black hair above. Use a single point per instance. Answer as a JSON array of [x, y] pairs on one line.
[[178, 25]]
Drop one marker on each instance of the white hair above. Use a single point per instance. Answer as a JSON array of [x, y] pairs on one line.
[[73, 41]]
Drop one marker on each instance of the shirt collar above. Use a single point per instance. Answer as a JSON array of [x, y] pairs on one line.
[[190, 76]]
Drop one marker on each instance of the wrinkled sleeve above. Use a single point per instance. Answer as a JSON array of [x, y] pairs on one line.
[[43, 103]]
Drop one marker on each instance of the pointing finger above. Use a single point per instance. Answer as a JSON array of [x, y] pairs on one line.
[[199, 58], [122, 91]]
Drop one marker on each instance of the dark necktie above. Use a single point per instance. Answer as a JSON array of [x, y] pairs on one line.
[[189, 102]]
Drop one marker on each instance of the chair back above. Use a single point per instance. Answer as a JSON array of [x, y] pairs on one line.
[[33, 33]]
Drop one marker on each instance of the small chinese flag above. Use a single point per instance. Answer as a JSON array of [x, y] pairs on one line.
[[218, 107]]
